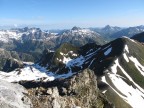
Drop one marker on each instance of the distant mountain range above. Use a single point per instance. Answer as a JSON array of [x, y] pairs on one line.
[[113, 32], [76, 68], [33, 40], [139, 37]]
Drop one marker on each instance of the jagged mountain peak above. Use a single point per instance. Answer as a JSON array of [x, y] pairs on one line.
[[109, 28], [81, 30], [80, 37], [76, 28]]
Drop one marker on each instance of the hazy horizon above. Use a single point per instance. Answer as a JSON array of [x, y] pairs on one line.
[[64, 14]]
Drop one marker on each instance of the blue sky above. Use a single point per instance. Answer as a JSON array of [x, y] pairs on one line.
[[68, 13]]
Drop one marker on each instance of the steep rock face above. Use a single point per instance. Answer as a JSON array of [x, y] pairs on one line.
[[13, 96], [78, 91], [46, 58], [8, 61], [11, 64]]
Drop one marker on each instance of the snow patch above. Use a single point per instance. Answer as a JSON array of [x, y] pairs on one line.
[[131, 95], [114, 66], [66, 60], [76, 62], [133, 40], [129, 39], [125, 57], [126, 48], [28, 73], [61, 53], [137, 65], [107, 51]]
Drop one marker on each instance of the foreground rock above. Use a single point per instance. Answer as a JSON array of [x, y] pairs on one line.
[[13, 96], [79, 91]]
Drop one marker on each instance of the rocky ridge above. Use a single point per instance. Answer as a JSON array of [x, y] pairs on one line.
[[78, 91]]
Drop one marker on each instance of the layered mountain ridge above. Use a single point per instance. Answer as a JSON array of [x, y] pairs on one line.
[[139, 37], [33, 40], [118, 65], [75, 69], [114, 32]]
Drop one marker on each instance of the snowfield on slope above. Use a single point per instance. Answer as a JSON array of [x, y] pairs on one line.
[[33, 72], [28, 73], [132, 95]]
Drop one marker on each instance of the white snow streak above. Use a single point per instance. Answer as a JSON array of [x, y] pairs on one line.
[[125, 57], [132, 96], [107, 51], [107, 47], [126, 48], [137, 65]]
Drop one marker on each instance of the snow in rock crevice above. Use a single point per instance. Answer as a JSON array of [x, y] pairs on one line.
[[76, 62], [125, 57], [126, 51], [133, 96], [108, 51], [138, 65], [126, 48]]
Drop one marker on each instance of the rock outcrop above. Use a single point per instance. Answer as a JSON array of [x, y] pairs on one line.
[[13, 96], [79, 91]]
